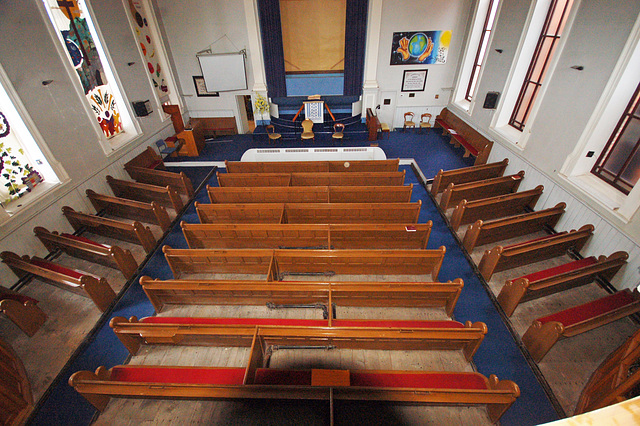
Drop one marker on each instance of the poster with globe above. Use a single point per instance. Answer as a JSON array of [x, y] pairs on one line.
[[420, 47]]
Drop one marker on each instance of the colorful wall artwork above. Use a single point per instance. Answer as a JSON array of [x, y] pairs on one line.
[[420, 47], [147, 47]]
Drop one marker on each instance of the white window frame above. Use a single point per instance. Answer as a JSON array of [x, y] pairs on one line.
[[131, 127], [468, 60], [173, 96], [576, 170], [528, 42]]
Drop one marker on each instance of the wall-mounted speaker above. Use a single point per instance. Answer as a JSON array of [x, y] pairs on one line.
[[491, 100]]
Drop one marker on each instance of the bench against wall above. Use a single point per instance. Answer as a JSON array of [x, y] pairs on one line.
[[463, 134]]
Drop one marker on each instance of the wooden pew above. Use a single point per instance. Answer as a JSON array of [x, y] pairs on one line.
[[73, 280], [312, 166], [257, 381], [467, 174], [132, 232], [481, 232], [338, 236], [311, 179], [502, 258], [495, 207], [179, 181], [364, 334], [614, 379], [130, 209], [281, 262], [16, 402], [147, 159], [22, 310], [559, 278], [249, 292], [84, 248], [545, 332], [310, 194], [480, 189], [309, 213], [165, 196], [461, 133]]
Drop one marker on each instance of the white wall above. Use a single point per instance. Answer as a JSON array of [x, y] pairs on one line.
[[195, 25], [419, 15]]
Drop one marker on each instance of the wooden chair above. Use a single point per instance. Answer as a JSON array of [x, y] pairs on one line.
[[307, 130], [425, 121], [408, 121], [338, 131], [271, 132]]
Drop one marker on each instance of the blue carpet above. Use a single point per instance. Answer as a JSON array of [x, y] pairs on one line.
[[498, 354]]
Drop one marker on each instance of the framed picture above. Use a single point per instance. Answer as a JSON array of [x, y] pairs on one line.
[[414, 80], [201, 88], [423, 47]]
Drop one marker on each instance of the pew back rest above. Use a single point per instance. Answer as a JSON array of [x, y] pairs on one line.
[[165, 196], [148, 159], [390, 165], [467, 174], [178, 181]]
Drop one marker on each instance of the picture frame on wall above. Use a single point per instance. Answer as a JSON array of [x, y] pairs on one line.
[[201, 88], [414, 80]]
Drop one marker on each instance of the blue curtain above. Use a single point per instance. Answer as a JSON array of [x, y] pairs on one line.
[[271, 32], [354, 46]]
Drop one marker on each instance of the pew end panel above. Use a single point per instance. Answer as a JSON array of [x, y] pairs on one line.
[[495, 411], [540, 338], [84, 379], [27, 316], [16, 397], [467, 174]]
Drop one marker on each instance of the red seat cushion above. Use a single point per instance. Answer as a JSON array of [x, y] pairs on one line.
[[234, 321], [593, 309], [84, 240], [173, 139], [178, 375], [425, 380], [57, 268], [154, 164], [562, 269], [10, 295], [397, 324]]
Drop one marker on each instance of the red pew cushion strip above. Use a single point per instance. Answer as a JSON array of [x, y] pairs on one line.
[[57, 268], [562, 269], [17, 297], [268, 376], [592, 309], [397, 324], [84, 240], [178, 375]]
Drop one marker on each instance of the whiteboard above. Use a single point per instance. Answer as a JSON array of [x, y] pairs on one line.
[[223, 72]]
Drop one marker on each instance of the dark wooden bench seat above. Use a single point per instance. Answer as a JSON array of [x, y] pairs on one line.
[[339, 236], [351, 293], [546, 331], [311, 179], [495, 207], [164, 195], [84, 248], [16, 402], [366, 334], [502, 258], [22, 310], [613, 381], [481, 232], [73, 280], [312, 166], [132, 232], [311, 194], [178, 181], [309, 213], [147, 159], [151, 212], [228, 383], [467, 174], [560, 278], [464, 135], [493, 187], [282, 262]]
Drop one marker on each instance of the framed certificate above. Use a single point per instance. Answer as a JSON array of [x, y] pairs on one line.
[[414, 80]]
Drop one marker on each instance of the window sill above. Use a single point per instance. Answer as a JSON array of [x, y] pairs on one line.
[[613, 201], [464, 105], [511, 135]]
